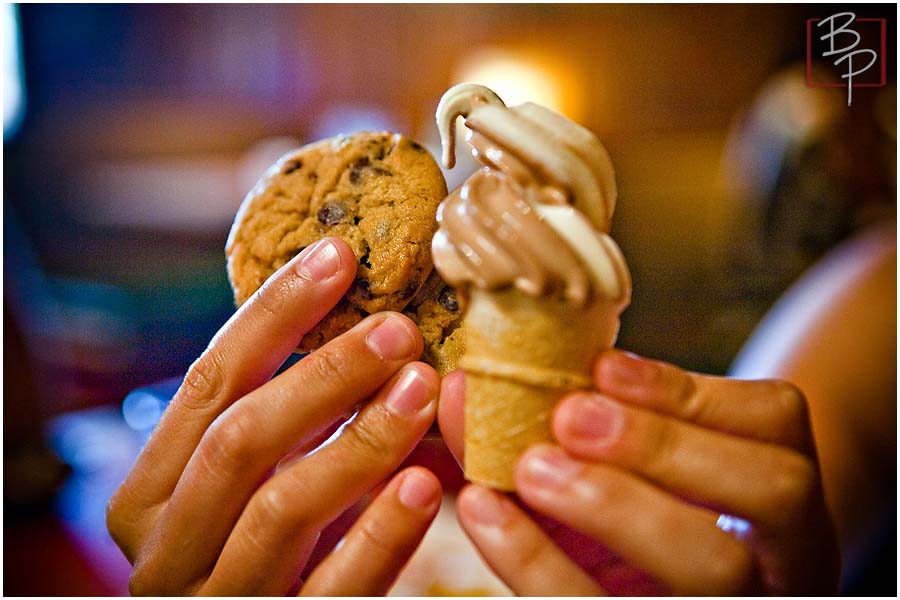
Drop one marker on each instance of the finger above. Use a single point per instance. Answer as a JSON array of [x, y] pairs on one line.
[[517, 550], [332, 534], [381, 542], [767, 484], [676, 543], [311, 443], [250, 437], [768, 411], [246, 352], [279, 525], [450, 412]]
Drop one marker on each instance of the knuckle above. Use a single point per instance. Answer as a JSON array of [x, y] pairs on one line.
[[204, 381], [125, 518], [793, 408], [791, 488], [600, 488], [230, 441], [665, 440], [276, 505], [142, 583], [730, 571], [687, 392], [372, 536], [275, 514], [116, 521], [136, 585], [330, 363], [792, 399], [367, 439], [531, 556], [114, 510]]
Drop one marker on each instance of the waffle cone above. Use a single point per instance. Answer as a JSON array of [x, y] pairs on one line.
[[522, 355]]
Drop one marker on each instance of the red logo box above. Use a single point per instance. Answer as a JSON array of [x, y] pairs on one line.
[[881, 56]]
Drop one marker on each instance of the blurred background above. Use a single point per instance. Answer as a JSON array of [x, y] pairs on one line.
[[132, 133]]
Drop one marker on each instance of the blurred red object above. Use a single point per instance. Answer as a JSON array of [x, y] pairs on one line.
[[33, 547]]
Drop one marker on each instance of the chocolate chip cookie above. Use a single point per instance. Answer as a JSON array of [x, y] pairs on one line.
[[377, 191], [436, 310]]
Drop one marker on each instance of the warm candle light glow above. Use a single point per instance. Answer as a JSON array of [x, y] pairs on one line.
[[521, 77]]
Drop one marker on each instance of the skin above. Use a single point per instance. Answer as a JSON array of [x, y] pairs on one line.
[[226, 499], [644, 466], [834, 334], [626, 502]]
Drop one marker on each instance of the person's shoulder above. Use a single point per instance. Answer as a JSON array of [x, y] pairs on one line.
[[856, 277], [860, 257]]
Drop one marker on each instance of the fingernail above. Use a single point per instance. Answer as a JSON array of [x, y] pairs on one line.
[[410, 394], [391, 340], [593, 418], [321, 261], [550, 468], [486, 508], [417, 491], [623, 368]]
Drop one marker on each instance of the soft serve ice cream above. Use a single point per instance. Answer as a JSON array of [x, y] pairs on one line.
[[525, 242]]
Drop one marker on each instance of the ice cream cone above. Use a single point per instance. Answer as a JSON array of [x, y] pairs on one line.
[[523, 353], [526, 240]]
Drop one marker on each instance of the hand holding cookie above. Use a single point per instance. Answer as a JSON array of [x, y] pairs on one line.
[[225, 500], [378, 192]]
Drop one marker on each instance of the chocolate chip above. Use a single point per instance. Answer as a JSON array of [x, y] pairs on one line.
[[382, 171], [412, 288], [331, 213], [448, 300], [292, 165], [313, 176], [362, 287], [416, 146], [357, 169]]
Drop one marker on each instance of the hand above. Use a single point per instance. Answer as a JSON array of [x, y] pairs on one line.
[[226, 498], [645, 466]]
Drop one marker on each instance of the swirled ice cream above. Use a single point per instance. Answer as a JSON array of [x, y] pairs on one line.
[[525, 242], [537, 215]]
